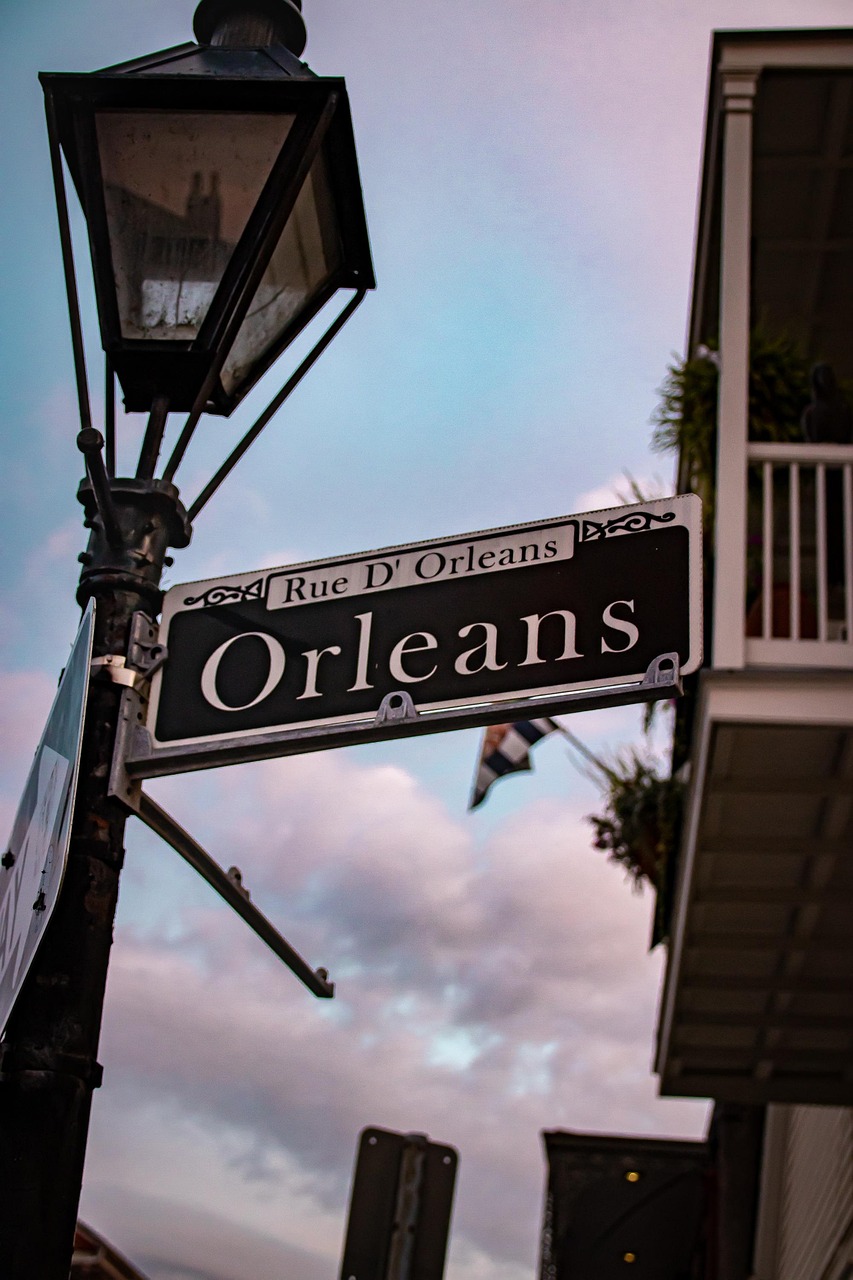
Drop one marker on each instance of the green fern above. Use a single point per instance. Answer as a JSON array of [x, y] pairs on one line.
[[685, 420]]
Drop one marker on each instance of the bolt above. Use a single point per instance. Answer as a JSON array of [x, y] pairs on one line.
[[8, 859], [90, 441]]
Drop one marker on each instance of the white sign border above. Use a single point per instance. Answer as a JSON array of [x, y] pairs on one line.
[[685, 511]]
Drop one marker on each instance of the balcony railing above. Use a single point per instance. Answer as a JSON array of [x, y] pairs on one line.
[[799, 607]]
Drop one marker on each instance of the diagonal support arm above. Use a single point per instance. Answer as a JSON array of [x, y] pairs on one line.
[[316, 980]]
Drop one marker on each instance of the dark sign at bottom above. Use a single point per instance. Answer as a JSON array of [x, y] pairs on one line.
[[400, 1207]]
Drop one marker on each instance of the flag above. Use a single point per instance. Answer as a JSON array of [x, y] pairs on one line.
[[506, 749]]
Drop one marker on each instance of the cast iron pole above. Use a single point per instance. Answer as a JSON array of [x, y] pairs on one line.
[[48, 1059]]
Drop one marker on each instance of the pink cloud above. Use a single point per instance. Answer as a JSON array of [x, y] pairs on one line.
[[485, 991]]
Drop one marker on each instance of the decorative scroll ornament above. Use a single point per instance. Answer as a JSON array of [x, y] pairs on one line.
[[228, 595], [631, 522]]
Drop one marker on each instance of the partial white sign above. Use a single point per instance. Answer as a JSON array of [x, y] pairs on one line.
[[33, 863]]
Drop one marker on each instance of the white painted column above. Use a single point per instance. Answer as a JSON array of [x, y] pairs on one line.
[[730, 528]]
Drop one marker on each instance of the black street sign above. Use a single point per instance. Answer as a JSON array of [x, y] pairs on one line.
[[531, 613], [400, 1206]]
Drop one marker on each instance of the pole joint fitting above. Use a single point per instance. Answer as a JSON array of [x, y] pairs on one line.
[[35, 1064], [150, 518]]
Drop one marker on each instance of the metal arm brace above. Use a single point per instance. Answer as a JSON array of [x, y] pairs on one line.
[[230, 888]]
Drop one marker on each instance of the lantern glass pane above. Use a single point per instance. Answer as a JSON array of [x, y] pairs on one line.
[[308, 252], [179, 188]]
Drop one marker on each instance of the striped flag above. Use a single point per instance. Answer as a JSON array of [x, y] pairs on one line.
[[506, 749]]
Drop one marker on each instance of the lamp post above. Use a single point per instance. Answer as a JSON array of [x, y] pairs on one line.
[[220, 189]]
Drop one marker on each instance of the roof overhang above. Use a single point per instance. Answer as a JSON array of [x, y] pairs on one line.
[[758, 1002]]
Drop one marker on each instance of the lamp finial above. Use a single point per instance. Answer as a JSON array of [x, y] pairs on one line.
[[252, 24]]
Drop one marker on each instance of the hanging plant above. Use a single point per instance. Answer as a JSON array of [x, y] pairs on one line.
[[641, 816], [685, 420]]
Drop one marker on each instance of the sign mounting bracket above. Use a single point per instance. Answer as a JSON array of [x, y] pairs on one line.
[[396, 708], [136, 758]]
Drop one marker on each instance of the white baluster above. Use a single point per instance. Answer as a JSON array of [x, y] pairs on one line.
[[848, 551], [820, 519], [767, 553], [794, 524]]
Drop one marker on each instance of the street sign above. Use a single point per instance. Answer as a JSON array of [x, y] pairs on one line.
[[400, 1206], [529, 614], [33, 864]]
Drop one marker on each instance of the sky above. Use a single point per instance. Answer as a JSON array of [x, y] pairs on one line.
[[530, 175]]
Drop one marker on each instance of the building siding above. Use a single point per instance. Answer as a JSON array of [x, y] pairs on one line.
[[817, 1192]]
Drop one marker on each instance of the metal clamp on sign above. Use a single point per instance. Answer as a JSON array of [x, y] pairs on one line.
[[145, 655]]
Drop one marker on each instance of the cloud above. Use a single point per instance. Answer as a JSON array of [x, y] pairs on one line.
[[170, 1241], [486, 989]]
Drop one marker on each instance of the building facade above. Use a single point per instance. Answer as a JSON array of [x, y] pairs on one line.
[[757, 1009]]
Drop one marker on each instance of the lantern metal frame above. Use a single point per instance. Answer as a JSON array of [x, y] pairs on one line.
[[186, 372]]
